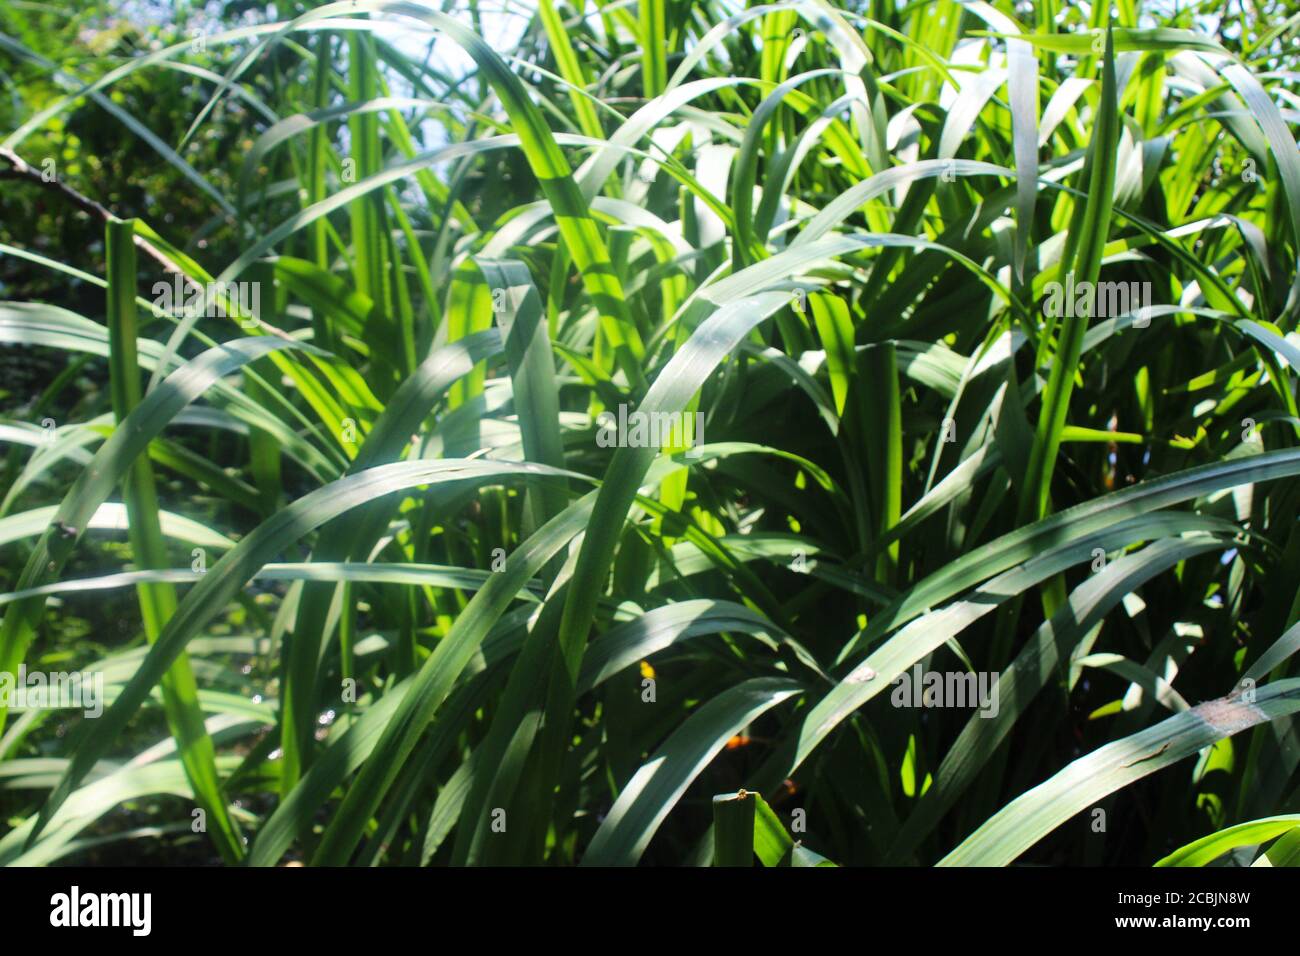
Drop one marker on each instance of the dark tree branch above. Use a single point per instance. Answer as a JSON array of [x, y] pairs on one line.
[[20, 169]]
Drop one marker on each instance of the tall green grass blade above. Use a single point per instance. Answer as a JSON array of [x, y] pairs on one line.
[[158, 601]]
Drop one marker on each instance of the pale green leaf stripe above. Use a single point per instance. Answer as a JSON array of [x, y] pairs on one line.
[[111, 516], [434, 575], [1022, 84]]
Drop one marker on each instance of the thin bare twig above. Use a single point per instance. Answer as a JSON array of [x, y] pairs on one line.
[[22, 170]]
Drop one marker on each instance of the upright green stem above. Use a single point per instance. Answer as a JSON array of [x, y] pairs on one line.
[[158, 601]]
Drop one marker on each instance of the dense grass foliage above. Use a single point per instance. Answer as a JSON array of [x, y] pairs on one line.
[[976, 324]]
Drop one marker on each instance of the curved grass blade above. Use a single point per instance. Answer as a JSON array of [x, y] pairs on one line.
[[1031, 816]]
